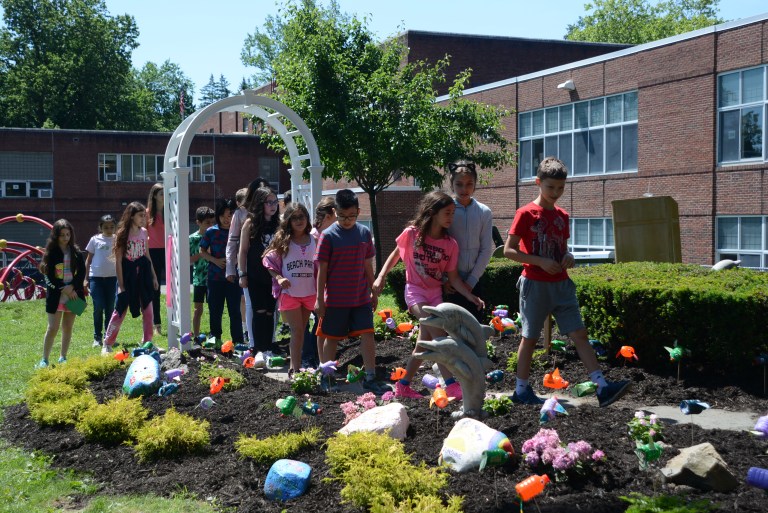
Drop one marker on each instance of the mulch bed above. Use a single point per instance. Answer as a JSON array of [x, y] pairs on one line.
[[237, 483]]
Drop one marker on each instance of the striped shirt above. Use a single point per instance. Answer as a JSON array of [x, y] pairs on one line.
[[346, 252]]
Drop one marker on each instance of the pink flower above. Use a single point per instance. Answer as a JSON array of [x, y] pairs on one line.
[[639, 415], [598, 455], [388, 396]]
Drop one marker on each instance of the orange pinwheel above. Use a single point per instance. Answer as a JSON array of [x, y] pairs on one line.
[[403, 327], [554, 380], [397, 374], [217, 384], [249, 362], [628, 352], [439, 397], [385, 314], [121, 356], [227, 347]]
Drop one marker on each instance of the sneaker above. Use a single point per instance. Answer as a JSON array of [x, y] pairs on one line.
[[62, 359], [291, 373], [96, 343], [106, 349], [527, 397], [374, 386], [612, 392], [454, 390], [406, 391], [42, 365]]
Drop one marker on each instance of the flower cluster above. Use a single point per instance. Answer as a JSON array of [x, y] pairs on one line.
[[546, 449], [644, 429], [305, 381], [352, 410]]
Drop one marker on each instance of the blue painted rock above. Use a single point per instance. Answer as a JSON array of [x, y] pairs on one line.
[[143, 377], [287, 479]]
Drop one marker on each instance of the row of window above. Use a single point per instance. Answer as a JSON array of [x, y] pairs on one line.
[[27, 189], [116, 167], [742, 105]]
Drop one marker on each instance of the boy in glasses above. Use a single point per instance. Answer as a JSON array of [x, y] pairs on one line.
[[345, 299]]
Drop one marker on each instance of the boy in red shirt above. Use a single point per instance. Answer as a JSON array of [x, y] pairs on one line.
[[538, 239]]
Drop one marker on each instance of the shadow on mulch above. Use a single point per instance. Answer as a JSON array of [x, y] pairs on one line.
[[238, 483]]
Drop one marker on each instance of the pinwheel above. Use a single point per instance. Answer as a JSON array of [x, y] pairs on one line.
[[550, 409]]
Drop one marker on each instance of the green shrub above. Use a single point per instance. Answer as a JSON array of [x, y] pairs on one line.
[[276, 447], [380, 329], [497, 406], [666, 504], [719, 316], [499, 283], [305, 382], [174, 434], [96, 367], [491, 349], [63, 411], [49, 392], [70, 374], [113, 422], [375, 469], [209, 371], [538, 361], [419, 504]]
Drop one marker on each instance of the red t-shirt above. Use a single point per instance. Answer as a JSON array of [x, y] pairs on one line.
[[542, 233]]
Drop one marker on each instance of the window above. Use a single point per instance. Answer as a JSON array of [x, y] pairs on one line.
[[591, 137], [269, 168], [743, 238], [129, 167], [591, 234], [27, 189], [742, 101]]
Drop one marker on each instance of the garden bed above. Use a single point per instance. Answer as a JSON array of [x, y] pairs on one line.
[[233, 482]]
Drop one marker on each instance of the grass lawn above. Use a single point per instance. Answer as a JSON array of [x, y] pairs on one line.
[[28, 484]]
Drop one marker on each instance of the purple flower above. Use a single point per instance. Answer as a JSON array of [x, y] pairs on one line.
[[598, 455], [532, 459], [388, 396]]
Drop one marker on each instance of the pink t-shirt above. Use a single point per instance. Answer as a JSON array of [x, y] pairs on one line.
[[542, 233], [426, 265], [136, 246], [156, 232]]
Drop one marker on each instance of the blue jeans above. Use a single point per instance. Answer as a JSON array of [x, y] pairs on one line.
[[103, 291], [218, 293]]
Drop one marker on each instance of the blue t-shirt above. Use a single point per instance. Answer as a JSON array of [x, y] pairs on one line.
[[216, 239]]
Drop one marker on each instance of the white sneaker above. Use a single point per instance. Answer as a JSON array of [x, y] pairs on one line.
[[106, 349], [97, 343]]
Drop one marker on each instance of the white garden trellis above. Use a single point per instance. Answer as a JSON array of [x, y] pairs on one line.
[[176, 175]]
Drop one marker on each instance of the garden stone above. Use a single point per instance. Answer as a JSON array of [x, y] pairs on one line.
[[463, 352], [392, 417], [702, 467], [287, 479], [464, 446], [172, 359]]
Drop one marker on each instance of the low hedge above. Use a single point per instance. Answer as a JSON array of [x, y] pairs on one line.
[[718, 315]]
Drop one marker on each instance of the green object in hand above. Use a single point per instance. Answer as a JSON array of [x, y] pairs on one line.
[[76, 306]]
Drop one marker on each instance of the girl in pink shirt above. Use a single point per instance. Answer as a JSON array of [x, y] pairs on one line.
[[156, 233], [430, 256], [290, 261]]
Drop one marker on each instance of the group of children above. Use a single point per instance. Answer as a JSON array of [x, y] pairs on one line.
[[286, 263]]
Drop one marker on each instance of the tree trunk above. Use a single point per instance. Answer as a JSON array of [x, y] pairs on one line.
[[375, 227]]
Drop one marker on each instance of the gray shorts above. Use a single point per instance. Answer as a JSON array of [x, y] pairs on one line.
[[541, 298]]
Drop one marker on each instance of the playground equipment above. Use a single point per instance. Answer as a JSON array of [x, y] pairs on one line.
[[14, 285]]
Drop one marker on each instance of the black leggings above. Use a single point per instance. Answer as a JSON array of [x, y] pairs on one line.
[[263, 305], [157, 255]]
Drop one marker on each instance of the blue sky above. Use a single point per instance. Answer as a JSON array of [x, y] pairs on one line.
[[206, 38]]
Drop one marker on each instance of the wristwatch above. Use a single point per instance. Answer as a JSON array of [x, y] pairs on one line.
[[242, 274]]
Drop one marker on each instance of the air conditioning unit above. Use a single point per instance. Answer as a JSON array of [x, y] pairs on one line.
[[208, 178], [110, 177], [45, 193]]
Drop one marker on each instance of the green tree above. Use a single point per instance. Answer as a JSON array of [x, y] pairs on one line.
[[165, 86], [208, 92], [374, 116], [640, 21], [64, 63], [222, 88], [262, 48]]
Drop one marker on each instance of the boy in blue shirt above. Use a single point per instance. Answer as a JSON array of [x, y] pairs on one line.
[[538, 239]]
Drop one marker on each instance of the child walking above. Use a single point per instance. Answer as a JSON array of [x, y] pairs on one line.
[[345, 297], [538, 239], [136, 278], [257, 233], [472, 228], [213, 247], [156, 233], [429, 255], [101, 275], [204, 217], [289, 259], [64, 270]]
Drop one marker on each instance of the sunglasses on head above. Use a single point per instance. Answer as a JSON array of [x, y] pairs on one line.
[[452, 167]]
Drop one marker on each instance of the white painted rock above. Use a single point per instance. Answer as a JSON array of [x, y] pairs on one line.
[[392, 416], [702, 467]]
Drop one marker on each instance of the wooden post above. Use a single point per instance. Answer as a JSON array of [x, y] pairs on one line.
[[547, 333]]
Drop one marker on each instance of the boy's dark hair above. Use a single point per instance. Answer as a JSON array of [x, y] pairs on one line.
[[222, 205], [287, 197], [106, 218], [345, 198], [552, 167], [462, 167], [203, 213]]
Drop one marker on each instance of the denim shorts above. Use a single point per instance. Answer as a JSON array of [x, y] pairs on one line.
[[538, 299]]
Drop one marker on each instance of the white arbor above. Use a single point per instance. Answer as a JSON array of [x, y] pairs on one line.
[[176, 188]]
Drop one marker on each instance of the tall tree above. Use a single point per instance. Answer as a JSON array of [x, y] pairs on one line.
[[208, 92], [373, 115], [222, 88], [641, 21], [64, 63], [170, 91], [262, 48]]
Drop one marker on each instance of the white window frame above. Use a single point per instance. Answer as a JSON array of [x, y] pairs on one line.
[[119, 174], [30, 191], [554, 130], [606, 244], [738, 253], [739, 106]]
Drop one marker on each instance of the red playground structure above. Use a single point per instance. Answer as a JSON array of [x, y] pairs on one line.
[[14, 285]]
